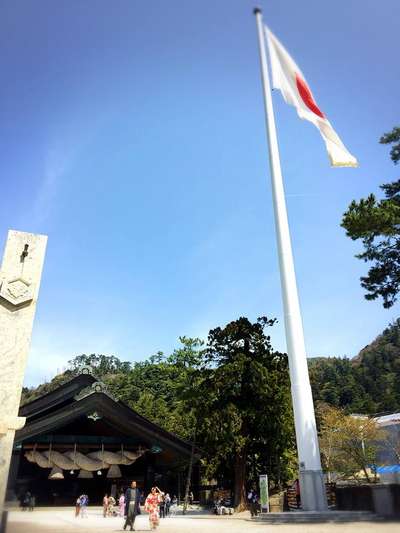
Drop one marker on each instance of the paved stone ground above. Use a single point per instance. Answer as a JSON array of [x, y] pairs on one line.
[[62, 520]]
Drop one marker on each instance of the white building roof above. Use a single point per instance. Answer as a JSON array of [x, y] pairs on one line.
[[388, 420]]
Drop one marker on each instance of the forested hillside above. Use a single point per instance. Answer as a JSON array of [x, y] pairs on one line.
[[368, 383]]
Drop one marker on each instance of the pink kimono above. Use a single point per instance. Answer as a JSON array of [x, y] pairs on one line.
[[151, 506], [121, 503]]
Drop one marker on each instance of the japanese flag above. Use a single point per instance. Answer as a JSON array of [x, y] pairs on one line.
[[288, 78]]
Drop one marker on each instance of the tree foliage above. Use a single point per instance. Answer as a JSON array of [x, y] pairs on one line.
[[241, 398], [377, 224], [101, 364], [393, 137], [348, 443]]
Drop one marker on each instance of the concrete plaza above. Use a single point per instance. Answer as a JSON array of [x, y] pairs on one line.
[[62, 520]]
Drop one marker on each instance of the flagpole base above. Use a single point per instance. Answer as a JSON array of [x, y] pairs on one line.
[[312, 490]]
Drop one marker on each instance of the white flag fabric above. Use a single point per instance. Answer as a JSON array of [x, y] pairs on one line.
[[288, 78]]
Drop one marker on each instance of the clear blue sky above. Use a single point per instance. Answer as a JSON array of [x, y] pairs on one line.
[[132, 133]]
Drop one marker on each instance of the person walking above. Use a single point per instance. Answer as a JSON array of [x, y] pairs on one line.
[[151, 506], [132, 505], [252, 499]]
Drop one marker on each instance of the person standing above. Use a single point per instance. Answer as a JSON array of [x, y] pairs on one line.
[[32, 502], [167, 504], [111, 504], [105, 505], [132, 505], [26, 500], [77, 506], [174, 506], [121, 503], [296, 487], [84, 503], [161, 505], [151, 506]]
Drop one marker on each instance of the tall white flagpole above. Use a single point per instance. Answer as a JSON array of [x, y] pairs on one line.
[[312, 489]]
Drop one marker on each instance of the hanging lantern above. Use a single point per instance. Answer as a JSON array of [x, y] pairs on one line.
[[102, 459], [74, 458], [71, 472], [114, 471], [84, 474], [56, 473]]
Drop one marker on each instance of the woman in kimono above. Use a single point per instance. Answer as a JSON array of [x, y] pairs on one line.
[[111, 504], [151, 506], [121, 502]]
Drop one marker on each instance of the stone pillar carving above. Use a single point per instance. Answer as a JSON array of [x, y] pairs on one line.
[[20, 276]]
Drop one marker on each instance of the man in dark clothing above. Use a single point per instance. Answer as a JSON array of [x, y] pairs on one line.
[[252, 499], [132, 505]]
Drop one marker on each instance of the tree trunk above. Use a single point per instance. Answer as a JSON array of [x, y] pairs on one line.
[[366, 474], [240, 482], [189, 476]]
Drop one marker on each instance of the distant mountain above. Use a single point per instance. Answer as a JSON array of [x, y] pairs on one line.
[[368, 383]]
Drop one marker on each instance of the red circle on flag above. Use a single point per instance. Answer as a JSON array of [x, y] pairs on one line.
[[307, 96]]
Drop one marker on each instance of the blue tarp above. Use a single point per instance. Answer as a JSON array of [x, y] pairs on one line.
[[389, 469]]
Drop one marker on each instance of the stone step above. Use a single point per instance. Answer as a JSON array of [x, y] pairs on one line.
[[316, 516]]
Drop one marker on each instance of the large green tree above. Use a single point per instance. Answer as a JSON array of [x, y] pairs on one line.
[[241, 397], [377, 224]]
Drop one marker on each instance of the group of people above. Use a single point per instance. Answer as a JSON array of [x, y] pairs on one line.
[[109, 505], [157, 504], [152, 505], [166, 503], [81, 506], [223, 506]]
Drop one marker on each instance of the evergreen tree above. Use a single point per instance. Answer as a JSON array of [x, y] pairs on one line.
[[241, 398], [377, 224]]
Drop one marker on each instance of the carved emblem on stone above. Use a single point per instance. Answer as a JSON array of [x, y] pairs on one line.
[[17, 291]]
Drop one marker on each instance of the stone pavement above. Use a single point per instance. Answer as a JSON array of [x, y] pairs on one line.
[[61, 520]]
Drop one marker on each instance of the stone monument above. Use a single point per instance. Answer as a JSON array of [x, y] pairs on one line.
[[19, 287]]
